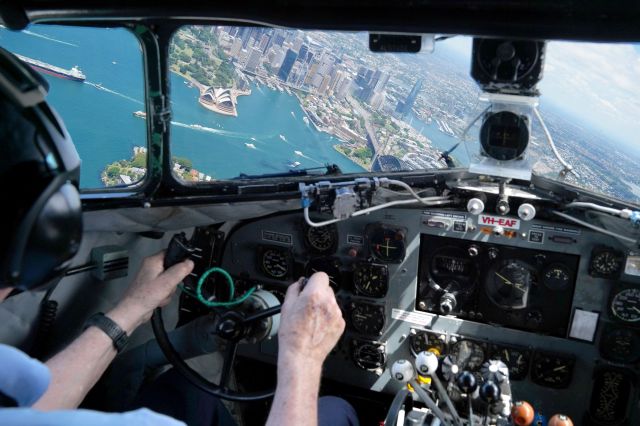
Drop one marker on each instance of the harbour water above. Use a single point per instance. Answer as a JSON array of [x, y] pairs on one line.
[[269, 134]]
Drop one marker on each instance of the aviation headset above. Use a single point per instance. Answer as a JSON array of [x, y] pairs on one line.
[[39, 173]]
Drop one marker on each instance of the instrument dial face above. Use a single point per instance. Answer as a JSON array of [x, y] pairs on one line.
[[371, 280], [369, 355], [620, 345], [557, 277], [625, 305], [605, 263], [552, 370], [367, 318], [276, 262], [516, 359], [321, 240], [468, 355], [508, 284], [386, 244], [328, 265], [423, 341]]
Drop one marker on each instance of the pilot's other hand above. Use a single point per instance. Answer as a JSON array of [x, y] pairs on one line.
[[311, 324], [152, 287]]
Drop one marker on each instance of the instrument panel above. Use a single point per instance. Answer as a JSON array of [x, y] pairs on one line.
[[554, 303]]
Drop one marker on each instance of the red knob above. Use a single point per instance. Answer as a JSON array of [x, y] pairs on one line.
[[522, 413], [560, 420], [353, 252]]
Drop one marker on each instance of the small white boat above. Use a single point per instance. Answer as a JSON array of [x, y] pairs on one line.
[[250, 145]]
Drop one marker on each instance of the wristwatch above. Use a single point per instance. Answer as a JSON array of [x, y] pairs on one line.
[[110, 328]]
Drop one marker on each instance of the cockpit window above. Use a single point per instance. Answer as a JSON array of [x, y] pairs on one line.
[[251, 101], [96, 84]]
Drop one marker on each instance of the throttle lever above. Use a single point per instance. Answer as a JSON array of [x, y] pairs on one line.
[[178, 250]]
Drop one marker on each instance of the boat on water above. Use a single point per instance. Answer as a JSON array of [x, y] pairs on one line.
[[306, 120], [74, 74], [250, 145], [298, 153], [283, 138], [140, 114], [293, 164], [293, 114]]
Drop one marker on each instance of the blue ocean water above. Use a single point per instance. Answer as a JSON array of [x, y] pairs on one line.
[[268, 134]]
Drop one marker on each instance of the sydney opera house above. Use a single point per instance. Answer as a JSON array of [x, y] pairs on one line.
[[219, 100]]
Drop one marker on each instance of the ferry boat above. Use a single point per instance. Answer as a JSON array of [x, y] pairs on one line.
[[140, 114], [73, 74]]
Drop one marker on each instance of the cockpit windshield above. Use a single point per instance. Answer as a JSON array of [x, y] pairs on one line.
[[251, 101]]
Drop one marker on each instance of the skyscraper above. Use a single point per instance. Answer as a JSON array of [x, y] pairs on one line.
[[302, 53], [254, 59], [406, 106], [287, 64]]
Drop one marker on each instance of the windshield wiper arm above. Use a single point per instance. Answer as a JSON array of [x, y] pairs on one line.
[[330, 169]]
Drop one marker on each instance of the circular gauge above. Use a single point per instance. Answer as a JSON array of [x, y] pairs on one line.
[[275, 263], [508, 284], [557, 277], [605, 263], [386, 244], [367, 318], [516, 359], [625, 305], [369, 355], [468, 355], [552, 370], [371, 280], [504, 135], [620, 345], [321, 240], [422, 341], [508, 61], [328, 265]]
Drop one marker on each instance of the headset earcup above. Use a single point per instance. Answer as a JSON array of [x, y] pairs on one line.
[[54, 239]]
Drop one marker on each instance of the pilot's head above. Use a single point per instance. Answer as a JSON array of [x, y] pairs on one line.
[[41, 224]]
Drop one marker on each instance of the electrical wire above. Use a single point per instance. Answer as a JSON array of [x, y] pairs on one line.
[[604, 209], [410, 190], [428, 401], [593, 227], [436, 202], [566, 166], [214, 304], [318, 224]]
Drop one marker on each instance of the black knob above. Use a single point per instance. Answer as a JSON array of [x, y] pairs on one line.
[[467, 382], [447, 303], [490, 392]]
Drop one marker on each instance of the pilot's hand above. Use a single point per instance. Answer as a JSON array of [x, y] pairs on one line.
[[152, 287], [311, 324]]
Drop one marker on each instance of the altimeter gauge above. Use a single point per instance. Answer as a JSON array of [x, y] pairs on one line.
[[605, 262], [625, 305], [367, 318], [321, 240], [556, 277], [371, 280], [275, 262]]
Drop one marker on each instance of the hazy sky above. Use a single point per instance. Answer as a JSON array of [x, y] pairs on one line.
[[598, 82]]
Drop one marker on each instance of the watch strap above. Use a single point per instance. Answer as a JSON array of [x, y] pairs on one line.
[[110, 328]]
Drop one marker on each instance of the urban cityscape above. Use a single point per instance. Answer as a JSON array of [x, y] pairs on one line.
[[378, 106]]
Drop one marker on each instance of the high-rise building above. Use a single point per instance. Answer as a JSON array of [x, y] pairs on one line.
[[236, 47], [278, 57], [309, 57], [287, 64], [382, 81], [302, 53], [278, 39], [264, 43], [335, 81], [297, 44], [254, 59], [324, 85], [343, 87], [313, 69], [407, 105]]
